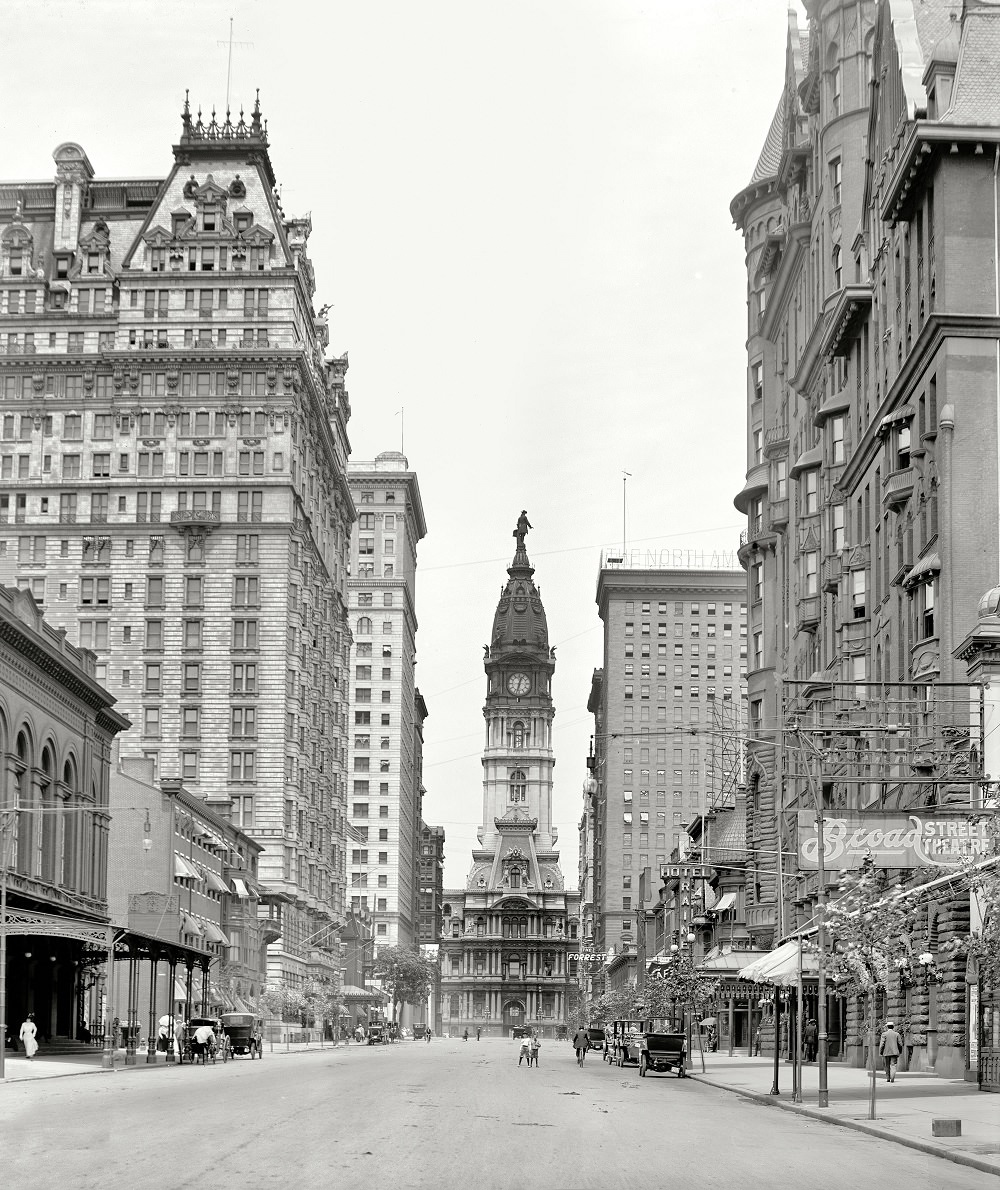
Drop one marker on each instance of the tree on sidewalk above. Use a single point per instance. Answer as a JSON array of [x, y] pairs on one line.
[[405, 975], [869, 928]]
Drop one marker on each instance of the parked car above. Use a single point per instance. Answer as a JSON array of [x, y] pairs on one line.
[[623, 1044], [519, 1031], [376, 1034], [660, 1053]]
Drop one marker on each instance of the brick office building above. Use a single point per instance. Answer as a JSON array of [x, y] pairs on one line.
[[173, 488], [869, 227]]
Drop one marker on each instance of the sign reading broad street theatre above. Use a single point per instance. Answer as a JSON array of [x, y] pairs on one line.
[[891, 840]]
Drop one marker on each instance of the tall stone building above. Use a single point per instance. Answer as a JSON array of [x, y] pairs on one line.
[[507, 936], [173, 488], [431, 872], [869, 228], [668, 712], [386, 750]]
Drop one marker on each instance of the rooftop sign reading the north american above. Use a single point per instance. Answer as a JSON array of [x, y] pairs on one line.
[[615, 558]]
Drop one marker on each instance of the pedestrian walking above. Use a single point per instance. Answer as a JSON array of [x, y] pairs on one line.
[[810, 1039], [428, 1034], [524, 1051], [890, 1046], [581, 1043], [479, 1032], [28, 1036], [756, 1043], [465, 1035], [535, 1047]]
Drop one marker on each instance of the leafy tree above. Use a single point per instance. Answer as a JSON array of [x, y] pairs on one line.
[[405, 975], [677, 981], [869, 932], [983, 875]]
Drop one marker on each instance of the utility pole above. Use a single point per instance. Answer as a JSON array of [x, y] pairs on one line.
[[816, 791]]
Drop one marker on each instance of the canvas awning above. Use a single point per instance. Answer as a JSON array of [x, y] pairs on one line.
[[240, 888], [184, 869], [730, 961], [781, 966], [351, 991], [215, 880], [190, 926], [724, 903], [214, 934], [927, 565]]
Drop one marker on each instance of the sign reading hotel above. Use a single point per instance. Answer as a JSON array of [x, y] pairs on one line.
[[891, 840]]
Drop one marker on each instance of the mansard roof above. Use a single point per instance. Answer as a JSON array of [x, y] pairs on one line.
[[976, 96], [770, 154]]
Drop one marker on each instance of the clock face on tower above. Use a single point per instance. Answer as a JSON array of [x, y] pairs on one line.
[[518, 684]]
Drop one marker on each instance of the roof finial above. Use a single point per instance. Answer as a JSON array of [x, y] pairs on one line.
[[186, 113]]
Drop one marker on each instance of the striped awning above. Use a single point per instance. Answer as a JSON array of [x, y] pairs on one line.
[[184, 869], [240, 888], [214, 934], [190, 926], [214, 880]]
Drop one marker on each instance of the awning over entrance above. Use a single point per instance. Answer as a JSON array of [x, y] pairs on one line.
[[781, 966], [718, 962], [351, 992], [724, 903]]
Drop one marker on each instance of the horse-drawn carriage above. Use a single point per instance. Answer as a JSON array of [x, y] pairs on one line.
[[244, 1033]]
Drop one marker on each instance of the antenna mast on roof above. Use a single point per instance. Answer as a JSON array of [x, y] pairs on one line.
[[240, 45]]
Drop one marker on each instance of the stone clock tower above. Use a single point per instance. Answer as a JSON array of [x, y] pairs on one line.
[[509, 934]]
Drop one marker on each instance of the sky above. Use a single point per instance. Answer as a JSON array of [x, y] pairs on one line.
[[521, 219]]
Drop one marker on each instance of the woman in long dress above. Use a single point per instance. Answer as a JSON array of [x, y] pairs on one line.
[[28, 1035]]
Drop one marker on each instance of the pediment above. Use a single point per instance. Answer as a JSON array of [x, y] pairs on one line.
[[158, 236]]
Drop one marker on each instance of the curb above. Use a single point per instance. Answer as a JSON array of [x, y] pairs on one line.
[[798, 1109]]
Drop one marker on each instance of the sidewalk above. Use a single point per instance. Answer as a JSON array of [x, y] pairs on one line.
[[904, 1109], [19, 1069]]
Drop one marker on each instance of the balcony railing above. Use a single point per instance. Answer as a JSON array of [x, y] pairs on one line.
[[195, 516]]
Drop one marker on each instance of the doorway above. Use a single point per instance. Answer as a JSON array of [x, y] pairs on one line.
[[513, 1016]]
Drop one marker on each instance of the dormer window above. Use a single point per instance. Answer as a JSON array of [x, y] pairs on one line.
[[158, 260], [93, 263], [62, 266], [208, 219], [178, 221], [16, 262], [243, 222]]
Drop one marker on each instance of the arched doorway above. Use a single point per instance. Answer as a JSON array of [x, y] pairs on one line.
[[513, 1015]]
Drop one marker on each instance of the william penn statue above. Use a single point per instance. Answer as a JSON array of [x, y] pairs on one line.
[[523, 525]]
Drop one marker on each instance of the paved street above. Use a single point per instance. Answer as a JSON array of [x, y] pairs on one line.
[[448, 1114]]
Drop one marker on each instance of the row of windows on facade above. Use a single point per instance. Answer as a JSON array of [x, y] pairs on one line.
[[364, 624], [96, 592], [98, 551], [360, 880], [201, 423], [149, 464], [366, 520], [693, 650], [156, 303], [922, 596], [218, 258], [81, 342], [693, 630], [96, 634], [148, 508], [203, 385], [694, 794], [711, 609], [678, 691], [694, 671]]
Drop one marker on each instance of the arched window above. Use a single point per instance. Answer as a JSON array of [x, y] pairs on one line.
[[515, 878], [518, 735], [518, 786], [838, 268], [364, 626]]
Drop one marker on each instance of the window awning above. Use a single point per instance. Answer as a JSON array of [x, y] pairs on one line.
[[724, 903], [190, 926], [240, 888], [215, 880], [781, 966], [926, 566], [730, 961], [903, 413], [184, 869], [214, 934]]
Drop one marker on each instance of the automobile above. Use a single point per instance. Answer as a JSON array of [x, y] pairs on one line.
[[519, 1031], [376, 1034], [562, 1032], [623, 1045], [597, 1038], [660, 1053]]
